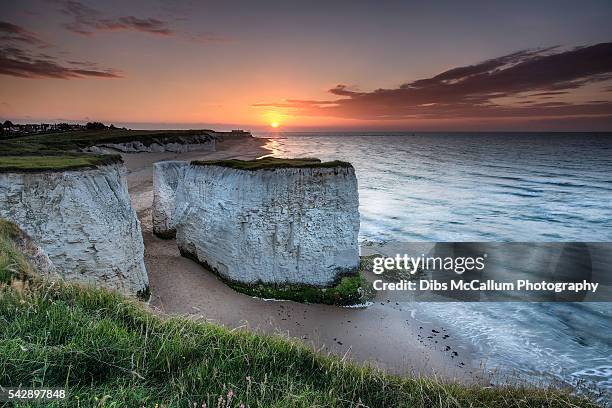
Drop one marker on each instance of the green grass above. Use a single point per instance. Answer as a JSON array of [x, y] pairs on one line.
[[351, 289], [75, 140], [13, 263], [59, 151], [111, 351], [269, 163], [55, 162], [86, 138]]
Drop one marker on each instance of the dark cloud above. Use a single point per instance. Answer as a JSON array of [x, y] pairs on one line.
[[550, 93], [87, 20], [474, 91], [149, 25], [20, 57], [13, 33], [343, 90], [21, 63]]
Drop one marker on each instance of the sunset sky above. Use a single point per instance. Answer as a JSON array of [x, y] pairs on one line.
[[521, 65]]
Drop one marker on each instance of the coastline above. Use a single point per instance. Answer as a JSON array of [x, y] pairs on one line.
[[385, 334]]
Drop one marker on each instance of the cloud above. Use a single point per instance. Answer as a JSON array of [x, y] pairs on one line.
[[477, 91], [148, 25], [343, 90], [87, 20], [23, 64], [550, 93], [13, 33], [19, 58]]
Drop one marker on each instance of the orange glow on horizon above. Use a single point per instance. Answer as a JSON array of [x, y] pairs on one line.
[[273, 118]]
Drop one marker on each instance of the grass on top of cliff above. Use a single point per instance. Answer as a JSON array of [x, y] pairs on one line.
[[53, 162], [108, 351], [59, 151], [271, 163], [85, 138], [13, 263]]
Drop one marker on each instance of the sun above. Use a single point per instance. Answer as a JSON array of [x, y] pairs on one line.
[[274, 124]]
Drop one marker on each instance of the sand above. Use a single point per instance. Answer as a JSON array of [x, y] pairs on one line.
[[386, 334]]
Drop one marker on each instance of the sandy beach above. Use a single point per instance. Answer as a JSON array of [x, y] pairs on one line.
[[385, 334]]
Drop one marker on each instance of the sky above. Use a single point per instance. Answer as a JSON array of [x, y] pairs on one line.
[[316, 65]]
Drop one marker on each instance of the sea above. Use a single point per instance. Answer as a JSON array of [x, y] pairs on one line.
[[491, 187]]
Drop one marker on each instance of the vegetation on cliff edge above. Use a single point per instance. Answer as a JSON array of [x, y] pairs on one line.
[[13, 263], [54, 162], [110, 351], [60, 151], [79, 139], [271, 163], [350, 289]]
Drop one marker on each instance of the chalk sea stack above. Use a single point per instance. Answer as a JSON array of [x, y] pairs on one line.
[[270, 221], [77, 209]]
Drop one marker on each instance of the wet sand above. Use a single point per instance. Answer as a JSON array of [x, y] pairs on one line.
[[385, 334]]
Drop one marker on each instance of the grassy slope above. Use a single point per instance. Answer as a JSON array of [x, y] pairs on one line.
[[112, 352], [55, 162], [13, 263], [268, 163], [86, 138], [98, 344], [50, 151]]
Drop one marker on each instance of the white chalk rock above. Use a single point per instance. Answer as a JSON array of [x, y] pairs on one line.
[[166, 177], [36, 257], [274, 226], [203, 142], [83, 220]]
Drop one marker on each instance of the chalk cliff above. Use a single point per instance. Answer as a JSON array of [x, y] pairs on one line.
[[35, 256], [166, 177], [203, 142], [273, 225], [83, 220]]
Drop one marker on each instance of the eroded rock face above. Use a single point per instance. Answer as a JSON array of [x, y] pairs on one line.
[[83, 220], [275, 226], [204, 142], [37, 258], [166, 177]]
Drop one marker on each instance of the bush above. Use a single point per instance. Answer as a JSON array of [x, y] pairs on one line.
[[95, 126]]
